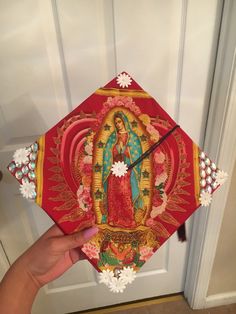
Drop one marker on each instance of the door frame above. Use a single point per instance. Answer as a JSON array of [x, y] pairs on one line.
[[220, 144]]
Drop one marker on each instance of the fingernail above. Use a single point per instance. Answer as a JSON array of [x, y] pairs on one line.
[[88, 233]]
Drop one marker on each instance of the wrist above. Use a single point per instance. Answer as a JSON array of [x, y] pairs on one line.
[[17, 287], [22, 268], [27, 276]]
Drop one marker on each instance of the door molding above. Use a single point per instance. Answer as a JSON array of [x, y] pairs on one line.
[[220, 144]]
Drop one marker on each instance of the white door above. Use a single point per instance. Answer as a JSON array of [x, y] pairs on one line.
[[53, 55]]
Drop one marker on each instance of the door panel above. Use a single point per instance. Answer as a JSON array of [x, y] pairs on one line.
[[4, 263]]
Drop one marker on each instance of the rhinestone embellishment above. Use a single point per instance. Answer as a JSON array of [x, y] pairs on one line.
[[23, 168], [207, 171]]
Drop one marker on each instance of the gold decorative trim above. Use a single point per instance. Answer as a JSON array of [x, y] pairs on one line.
[[196, 173], [39, 170], [117, 229], [121, 92]]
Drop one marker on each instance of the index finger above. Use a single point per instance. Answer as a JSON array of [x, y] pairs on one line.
[[53, 231]]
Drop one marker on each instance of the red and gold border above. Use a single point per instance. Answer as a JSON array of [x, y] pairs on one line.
[[120, 92], [196, 173], [39, 170]]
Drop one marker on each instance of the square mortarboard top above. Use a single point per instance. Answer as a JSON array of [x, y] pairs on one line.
[[118, 161]]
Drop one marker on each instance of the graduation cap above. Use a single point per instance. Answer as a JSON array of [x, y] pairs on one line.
[[118, 161]]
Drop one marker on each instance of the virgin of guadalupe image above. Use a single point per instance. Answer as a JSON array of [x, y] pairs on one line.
[[121, 194]]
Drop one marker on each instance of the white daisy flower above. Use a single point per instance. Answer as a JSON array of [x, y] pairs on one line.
[[220, 177], [116, 285], [21, 156], [106, 276], [27, 189], [205, 198], [119, 169], [127, 275], [123, 80]]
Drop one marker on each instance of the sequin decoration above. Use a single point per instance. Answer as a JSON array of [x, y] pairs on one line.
[[213, 166], [209, 189], [33, 156], [32, 165], [12, 167], [203, 174], [25, 170], [209, 180], [208, 170], [18, 174], [214, 185], [207, 161], [25, 180], [202, 155], [203, 183], [34, 147], [31, 175], [202, 165], [213, 175]]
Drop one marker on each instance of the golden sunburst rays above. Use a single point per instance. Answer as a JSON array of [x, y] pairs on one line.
[[63, 192], [168, 218], [176, 198], [160, 230], [73, 216]]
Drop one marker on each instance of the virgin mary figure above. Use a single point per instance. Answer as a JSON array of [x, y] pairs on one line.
[[122, 194]]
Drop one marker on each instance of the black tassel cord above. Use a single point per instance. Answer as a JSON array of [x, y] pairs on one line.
[[182, 230]]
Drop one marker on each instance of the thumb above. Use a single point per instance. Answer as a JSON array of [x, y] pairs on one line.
[[68, 242]]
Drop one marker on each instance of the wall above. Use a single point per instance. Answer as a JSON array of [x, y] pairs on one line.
[[223, 277]]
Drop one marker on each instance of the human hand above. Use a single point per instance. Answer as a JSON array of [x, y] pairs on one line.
[[54, 253]]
